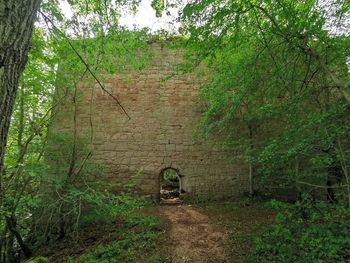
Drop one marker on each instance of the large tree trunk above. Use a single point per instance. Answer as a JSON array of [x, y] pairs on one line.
[[17, 19]]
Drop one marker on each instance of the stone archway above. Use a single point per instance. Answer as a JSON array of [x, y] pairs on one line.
[[170, 186]]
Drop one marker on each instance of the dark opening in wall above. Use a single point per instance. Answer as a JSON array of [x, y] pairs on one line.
[[170, 184]]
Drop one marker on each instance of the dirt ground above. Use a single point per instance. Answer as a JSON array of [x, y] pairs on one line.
[[211, 233], [192, 237]]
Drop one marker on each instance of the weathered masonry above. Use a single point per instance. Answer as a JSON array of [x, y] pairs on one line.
[[159, 135]]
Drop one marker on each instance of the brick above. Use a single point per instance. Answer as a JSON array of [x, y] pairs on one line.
[[159, 134]]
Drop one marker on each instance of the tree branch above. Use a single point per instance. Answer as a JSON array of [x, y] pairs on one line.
[[85, 64]]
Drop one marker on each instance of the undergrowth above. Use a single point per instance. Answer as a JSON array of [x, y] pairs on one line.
[[132, 242], [305, 232], [117, 228]]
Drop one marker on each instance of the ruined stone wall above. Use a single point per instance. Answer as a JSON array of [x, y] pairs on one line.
[[159, 134]]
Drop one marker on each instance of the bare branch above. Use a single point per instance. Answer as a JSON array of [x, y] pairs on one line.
[[85, 64]]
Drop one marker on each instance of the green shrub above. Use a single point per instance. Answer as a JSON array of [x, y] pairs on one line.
[[170, 175], [38, 259], [135, 239], [307, 231]]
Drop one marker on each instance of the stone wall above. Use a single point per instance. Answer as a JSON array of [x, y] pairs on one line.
[[159, 134]]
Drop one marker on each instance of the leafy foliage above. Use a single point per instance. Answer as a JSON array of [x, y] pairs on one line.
[[63, 50], [132, 240], [305, 232], [158, 5], [278, 93], [170, 175]]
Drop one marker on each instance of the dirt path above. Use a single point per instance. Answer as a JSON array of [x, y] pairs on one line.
[[192, 237]]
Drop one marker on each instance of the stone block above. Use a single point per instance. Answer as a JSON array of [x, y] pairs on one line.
[[159, 134]]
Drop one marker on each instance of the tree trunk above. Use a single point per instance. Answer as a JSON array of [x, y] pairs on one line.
[[251, 187], [251, 175], [11, 224], [17, 19]]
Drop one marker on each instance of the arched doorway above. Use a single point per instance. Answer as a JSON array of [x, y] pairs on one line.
[[170, 185]]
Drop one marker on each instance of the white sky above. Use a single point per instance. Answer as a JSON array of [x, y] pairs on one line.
[[145, 17]]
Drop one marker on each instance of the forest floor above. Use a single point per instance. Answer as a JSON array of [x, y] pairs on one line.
[[205, 232], [213, 232], [192, 237]]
